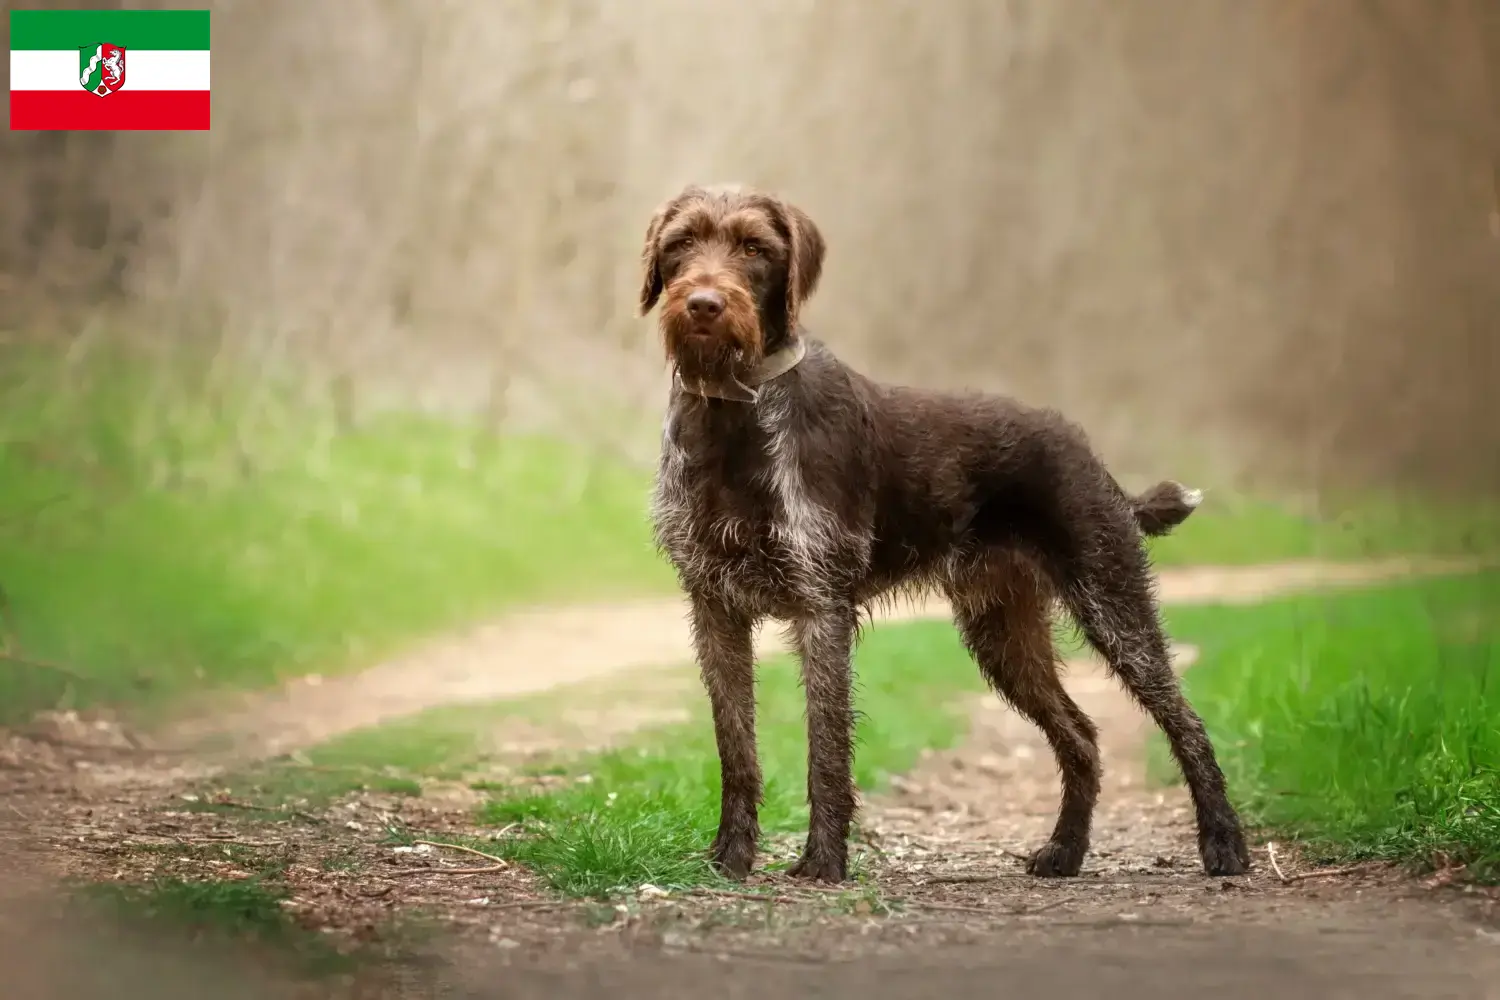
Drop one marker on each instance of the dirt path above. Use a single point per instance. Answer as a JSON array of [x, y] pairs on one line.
[[943, 850], [945, 896], [944, 899], [538, 650]]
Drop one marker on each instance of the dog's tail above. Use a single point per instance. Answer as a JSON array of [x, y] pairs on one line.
[[1165, 506]]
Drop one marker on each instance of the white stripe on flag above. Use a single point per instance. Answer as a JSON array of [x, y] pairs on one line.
[[145, 69]]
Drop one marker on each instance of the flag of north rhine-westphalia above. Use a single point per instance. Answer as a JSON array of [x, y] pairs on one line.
[[109, 69]]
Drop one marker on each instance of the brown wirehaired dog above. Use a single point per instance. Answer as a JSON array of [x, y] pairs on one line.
[[792, 487]]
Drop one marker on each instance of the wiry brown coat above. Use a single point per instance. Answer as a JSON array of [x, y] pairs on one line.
[[829, 492]]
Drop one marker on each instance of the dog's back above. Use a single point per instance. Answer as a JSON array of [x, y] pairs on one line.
[[934, 478]]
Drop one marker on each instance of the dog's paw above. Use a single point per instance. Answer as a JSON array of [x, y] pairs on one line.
[[733, 854], [1055, 859], [1224, 853], [820, 867]]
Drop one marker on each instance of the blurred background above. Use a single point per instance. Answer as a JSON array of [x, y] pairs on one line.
[[1256, 236]]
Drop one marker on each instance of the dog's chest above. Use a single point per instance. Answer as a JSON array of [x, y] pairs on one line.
[[732, 513]]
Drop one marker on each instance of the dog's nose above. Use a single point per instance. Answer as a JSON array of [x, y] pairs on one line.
[[705, 304]]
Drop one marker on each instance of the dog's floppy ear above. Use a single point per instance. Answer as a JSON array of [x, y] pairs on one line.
[[651, 283], [805, 252], [651, 261]]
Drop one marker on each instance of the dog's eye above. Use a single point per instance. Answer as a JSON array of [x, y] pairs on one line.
[[752, 250], [680, 244]]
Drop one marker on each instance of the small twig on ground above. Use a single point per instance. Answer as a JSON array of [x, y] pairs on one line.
[[229, 841], [1445, 871], [1330, 872], [1444, 877], [1276, 865], [501, 862], [484, 870], [958, 879], [754, 897], [830, 890], [252, 807], [954, 908], [1023, 858]]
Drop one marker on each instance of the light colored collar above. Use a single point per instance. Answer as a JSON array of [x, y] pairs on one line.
[[773, 365]]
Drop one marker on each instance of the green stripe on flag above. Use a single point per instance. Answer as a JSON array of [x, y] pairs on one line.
[[129, 29]]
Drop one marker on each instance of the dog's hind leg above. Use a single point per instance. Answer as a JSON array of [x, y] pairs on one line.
[[1009, 634], [1110, 594]]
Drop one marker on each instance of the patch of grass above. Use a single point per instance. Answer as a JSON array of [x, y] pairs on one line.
[[438, 743], [250, 907], [281, 782], [1366, 723], [248, 911], [646, 813], [164, 531], [396, 758], [167, 526]]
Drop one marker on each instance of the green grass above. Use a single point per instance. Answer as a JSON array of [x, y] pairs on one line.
[[1365, 723], [395, 758], [167, 528], [251, 907], [451, 743], [247, 911], [646, 813], [159, 536], [1238, 530]]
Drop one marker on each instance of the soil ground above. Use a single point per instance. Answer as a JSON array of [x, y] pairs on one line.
[[543, 649], [944, 897]]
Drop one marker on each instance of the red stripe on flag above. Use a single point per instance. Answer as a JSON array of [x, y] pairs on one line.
[[128, 109]]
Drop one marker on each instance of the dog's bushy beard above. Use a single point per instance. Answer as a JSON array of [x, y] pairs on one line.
[[734, 346]]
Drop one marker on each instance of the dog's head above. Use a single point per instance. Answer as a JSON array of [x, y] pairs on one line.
[[731, 268]]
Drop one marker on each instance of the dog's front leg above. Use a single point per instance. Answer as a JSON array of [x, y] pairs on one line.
[[722, 637], [824, 641]]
